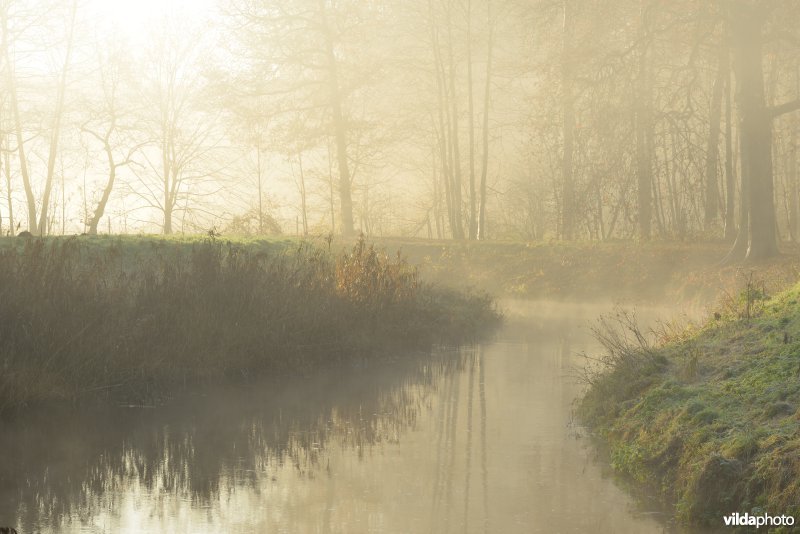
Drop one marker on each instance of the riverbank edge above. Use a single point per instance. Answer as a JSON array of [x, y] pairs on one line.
[[707, 415], [639, 273], [136, 320]]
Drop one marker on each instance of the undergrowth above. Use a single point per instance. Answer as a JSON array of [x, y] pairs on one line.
[[80, 321]]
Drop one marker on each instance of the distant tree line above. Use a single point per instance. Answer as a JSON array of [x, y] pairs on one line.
[[462, 119]]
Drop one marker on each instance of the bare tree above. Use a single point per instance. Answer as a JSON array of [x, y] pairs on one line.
[[105, 124], [307, 51], [183, 134]]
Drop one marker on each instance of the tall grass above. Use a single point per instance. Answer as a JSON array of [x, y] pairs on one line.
[[79, 321], [626, 365]]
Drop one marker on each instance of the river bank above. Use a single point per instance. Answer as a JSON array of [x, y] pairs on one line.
[[708, 415], [475, 439], [136, 319]]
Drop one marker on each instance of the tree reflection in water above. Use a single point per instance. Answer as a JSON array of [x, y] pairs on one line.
[[476, 440], [63, 465]]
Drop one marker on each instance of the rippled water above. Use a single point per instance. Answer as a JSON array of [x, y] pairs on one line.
[[479, 440]]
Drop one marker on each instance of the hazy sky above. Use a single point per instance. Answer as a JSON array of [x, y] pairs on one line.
[[135, 18]]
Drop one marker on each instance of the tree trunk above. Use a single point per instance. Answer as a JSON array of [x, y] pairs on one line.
[[168, 220], [331, 187], [94, 222], [756, 133], [644, 158], [339, 128], [167, 170], [486, 102], [568, 131], [56, 135], [792, 178], [644, 169], [473, 215], [260, 190], [101, 205], [730, 177], [7, 171], [14, 103], [712, 148], [304, 210], [458, 230], [445, 147]]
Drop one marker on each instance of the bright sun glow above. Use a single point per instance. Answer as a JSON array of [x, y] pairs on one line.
[[135, 20]]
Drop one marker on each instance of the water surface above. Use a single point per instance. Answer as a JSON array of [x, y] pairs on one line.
[[476, 440]]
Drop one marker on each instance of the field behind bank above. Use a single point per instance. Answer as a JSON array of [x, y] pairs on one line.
[[654, 272]]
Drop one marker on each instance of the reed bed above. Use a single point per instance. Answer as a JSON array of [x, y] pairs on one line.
[[79, 321]]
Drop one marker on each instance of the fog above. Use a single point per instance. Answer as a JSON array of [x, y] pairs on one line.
[[337, 265], [472, 119], [477, 440]]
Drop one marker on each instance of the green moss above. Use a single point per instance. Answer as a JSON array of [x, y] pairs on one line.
[[723, 438]]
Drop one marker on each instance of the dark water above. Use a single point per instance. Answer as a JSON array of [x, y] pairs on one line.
[[479, 440]]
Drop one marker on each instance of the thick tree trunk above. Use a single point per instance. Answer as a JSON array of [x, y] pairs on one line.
[[756, 133], [168, 220], [712, 148], [739, 249]]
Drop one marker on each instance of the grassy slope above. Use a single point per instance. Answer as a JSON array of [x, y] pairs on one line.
[[711, 417], [657, 271]]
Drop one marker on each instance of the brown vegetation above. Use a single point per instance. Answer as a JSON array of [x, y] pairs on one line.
[[79, 321]]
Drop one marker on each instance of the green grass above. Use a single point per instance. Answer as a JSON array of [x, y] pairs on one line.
[[709, 416], [584, 271], [135, 319], [649, 272]]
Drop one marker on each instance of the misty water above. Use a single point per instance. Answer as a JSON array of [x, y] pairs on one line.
[[476, 440]]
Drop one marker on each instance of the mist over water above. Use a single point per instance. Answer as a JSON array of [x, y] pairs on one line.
[[476, 440], [335, 181]]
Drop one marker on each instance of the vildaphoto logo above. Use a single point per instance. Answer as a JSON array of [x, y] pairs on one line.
[[764, 520]]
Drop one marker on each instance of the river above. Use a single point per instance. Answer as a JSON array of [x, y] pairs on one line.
[[475, 440]]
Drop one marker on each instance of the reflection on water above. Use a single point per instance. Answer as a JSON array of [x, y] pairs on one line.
[[478, 440]]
